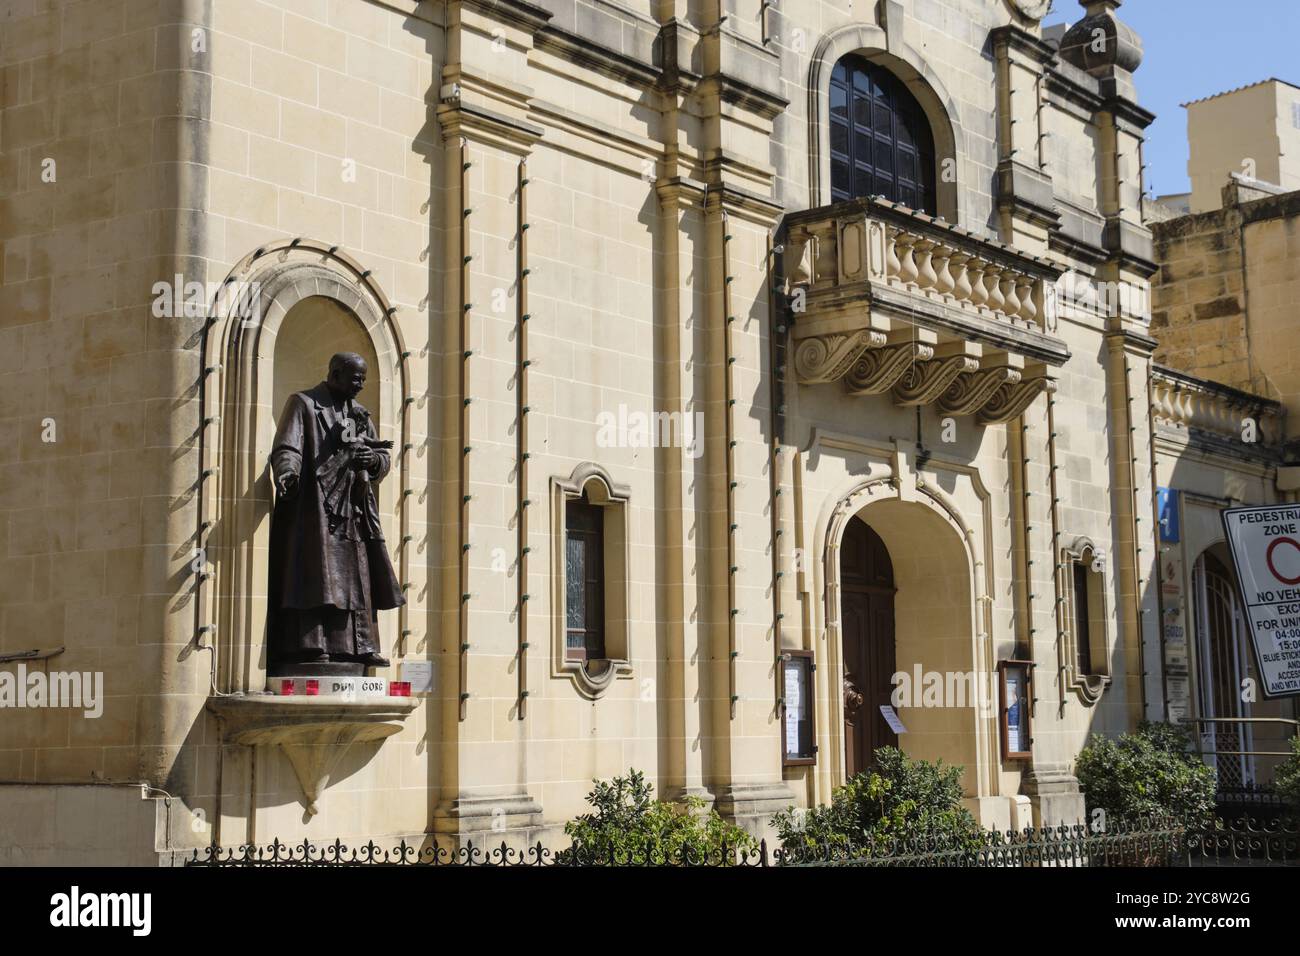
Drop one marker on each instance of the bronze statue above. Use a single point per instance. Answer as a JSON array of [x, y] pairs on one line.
[[330, 570]]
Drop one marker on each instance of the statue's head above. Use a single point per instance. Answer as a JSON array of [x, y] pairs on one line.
[[347, 374]]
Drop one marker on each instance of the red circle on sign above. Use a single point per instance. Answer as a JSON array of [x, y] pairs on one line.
[[1269, 558]]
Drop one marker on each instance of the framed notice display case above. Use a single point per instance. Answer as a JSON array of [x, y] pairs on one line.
[[1015, 706], [798, 747]]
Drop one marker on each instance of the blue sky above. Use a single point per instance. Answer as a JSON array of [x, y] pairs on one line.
[[1196, 48]]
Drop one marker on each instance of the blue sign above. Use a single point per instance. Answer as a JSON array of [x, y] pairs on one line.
[[1167, 499]]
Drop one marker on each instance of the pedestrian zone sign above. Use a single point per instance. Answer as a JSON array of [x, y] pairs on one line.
[[1265, 547]]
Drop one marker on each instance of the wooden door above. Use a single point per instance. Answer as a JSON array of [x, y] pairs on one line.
[[867, 630]]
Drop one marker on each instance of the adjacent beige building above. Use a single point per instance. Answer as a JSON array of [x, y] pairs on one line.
[[1224, 407], [709, 334], [1253, 131]]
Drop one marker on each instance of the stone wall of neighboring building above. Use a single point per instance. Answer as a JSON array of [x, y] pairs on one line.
[[1223, 301]]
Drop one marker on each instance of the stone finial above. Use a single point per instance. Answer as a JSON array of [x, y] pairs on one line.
[[1101, 43]]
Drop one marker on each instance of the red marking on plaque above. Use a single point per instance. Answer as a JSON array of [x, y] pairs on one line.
[[313, 687], [399, 688], [1269, 558], [286, 688]]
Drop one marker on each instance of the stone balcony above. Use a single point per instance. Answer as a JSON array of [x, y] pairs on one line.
[[892, 301], [1214, 412]]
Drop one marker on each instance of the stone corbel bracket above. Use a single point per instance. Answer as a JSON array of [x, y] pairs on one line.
[[877, 370], [924, 382], [1011, 400], [314, 733], [973, 390], [827, 358]]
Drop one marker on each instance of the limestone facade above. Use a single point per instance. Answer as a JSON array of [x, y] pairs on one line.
[[534, 218]]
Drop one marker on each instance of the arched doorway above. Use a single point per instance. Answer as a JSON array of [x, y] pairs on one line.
[[867, 632], [1223, 663]]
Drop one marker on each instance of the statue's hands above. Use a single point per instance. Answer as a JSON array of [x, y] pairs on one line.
[[365, 457], [288, 484]]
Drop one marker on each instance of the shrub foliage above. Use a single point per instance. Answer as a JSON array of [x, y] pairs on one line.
[[900, 806], [1149, 773], [628, 826], [1286, 779]]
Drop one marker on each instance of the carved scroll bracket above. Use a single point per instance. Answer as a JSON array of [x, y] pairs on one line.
[[827, 358]]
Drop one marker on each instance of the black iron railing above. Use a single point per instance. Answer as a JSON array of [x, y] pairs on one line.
[[1246, 841]]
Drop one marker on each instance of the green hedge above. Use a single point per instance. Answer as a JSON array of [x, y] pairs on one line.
[[898, 804], [1286, 779], [629, 826], [1149, 773]]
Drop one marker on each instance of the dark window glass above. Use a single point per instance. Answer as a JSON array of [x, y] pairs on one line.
[[584, 570], [1082, 635], [862, 182], [839, 103], [889, 147], [840, 176], [839, 139], [907, 166], [884, 164]]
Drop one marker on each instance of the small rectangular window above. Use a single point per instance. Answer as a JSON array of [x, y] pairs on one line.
[[1295, 115], [584, 580], [1082, 633]]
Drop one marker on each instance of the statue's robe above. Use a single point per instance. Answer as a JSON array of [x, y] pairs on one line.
[[330, 570]]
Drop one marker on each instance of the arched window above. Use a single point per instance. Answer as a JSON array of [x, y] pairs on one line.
[[1225, 661], [881, 143]]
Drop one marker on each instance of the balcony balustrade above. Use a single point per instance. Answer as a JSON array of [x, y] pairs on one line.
[[890, 300]]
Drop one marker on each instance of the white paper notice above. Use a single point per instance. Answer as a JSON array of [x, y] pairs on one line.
[[420, 674], [793, 709], [891, 718]]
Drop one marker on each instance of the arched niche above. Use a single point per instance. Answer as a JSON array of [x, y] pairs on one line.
[[314, 330], [298, 303], [872, 44]]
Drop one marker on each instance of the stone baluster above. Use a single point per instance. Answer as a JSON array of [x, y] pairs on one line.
[[944, 283], [979, 295], [907, 272], [992, 284], [893, 266], [1011, 305], [926, 278], [1025, 293], [957, 266]]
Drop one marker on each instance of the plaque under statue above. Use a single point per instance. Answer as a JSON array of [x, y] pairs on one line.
[[330, 571]]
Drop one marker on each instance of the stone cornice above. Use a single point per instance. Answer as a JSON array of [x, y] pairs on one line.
[[759, 209], [1081, 89], [519, 13], [761, 102], [1023, 41], [1129, 112], [478, 123], [585, 52]]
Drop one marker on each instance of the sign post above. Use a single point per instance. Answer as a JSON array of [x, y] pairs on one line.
[[1265, 546]]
